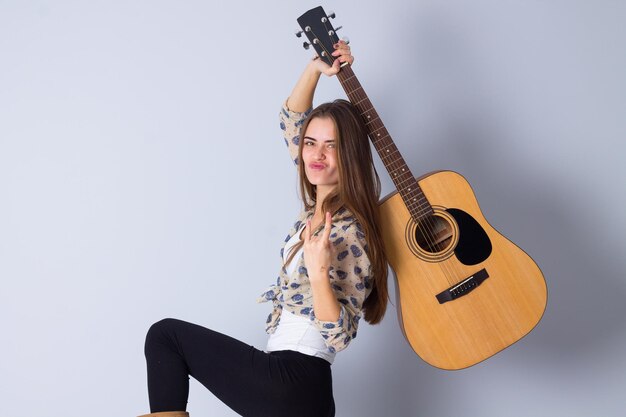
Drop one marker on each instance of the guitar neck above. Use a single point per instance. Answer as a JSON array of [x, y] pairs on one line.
[[400, 174]]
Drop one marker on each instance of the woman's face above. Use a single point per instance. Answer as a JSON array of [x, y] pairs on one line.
[[319, 152]]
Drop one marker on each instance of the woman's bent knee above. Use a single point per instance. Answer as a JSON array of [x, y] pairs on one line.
[[158, 332]]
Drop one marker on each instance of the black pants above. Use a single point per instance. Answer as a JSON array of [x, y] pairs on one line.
[[248, 380]]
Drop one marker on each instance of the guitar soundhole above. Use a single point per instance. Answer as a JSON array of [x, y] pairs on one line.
[[434, 234], [433, 238]]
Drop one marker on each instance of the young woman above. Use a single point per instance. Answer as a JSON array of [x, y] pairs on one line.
[[333, 271]]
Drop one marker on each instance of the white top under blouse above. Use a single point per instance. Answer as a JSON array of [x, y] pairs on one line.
[[294, 332]]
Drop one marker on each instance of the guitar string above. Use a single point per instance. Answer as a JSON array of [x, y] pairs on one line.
[[429, 233]]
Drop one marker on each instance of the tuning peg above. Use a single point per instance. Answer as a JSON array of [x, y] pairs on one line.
[[332, 32], [331, 14], [298, 33], [306, 45], [346, 40], [337, 28]]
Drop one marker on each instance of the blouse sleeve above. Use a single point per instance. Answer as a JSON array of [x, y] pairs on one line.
[[290, 123], [350, 279]]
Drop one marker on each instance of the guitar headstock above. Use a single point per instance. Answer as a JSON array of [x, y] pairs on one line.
[[322, 36]]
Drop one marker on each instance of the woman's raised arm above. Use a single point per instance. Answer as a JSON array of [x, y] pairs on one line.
[[297, 106], [301, 98]]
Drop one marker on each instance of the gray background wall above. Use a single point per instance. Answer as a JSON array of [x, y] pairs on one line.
[[143, 176]]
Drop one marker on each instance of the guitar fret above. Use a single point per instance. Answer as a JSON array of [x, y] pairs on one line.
[[357, 87], [349, 78], [356, 95], [382, 127], [360, 101], [410, 179], [404, 176], [393, 160], [415, 205], [406, 184], [419, 211], [393, 157], [421, 204], [417, 202], [400, 171], [397, 167]]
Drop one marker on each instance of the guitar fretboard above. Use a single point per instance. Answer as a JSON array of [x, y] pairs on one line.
[[407, 186]]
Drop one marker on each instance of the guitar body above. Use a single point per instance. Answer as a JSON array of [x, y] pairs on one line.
[[487, 317]]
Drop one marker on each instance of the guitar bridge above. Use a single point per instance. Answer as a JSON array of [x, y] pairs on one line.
[[463, 288]]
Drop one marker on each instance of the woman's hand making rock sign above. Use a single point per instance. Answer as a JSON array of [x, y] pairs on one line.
[[317, 257]]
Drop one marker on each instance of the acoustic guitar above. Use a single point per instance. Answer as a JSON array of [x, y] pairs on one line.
[[465, 292]]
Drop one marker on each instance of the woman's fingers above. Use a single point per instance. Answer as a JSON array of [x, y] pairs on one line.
[[307, 231], [341, 43], [342, 52], [344, 58], [327, 227], [325, 235], [342, 46], [317, 249]]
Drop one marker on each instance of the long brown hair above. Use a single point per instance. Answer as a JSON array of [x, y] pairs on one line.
[[358, 190]]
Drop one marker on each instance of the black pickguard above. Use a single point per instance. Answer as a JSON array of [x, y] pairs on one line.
[[474, 245]]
